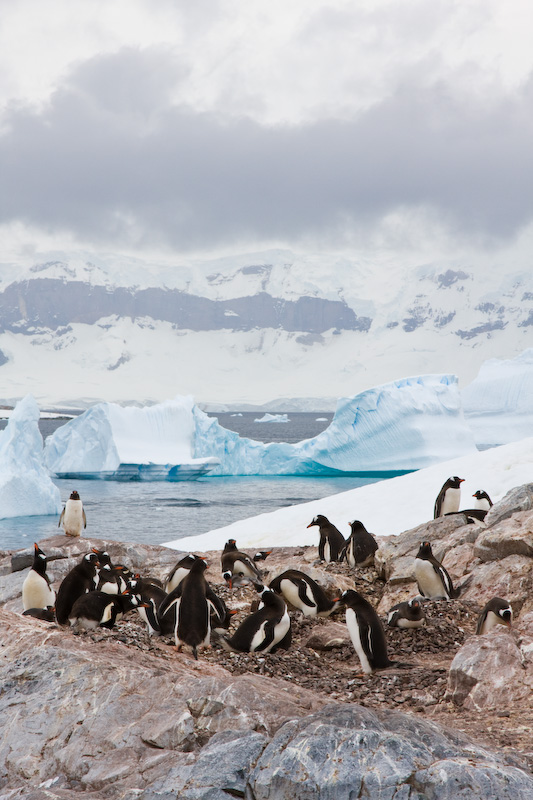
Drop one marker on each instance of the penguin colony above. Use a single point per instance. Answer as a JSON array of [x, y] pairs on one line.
[[98, 593]]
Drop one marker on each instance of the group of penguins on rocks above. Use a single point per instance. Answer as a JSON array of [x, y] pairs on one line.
[[97, 592]]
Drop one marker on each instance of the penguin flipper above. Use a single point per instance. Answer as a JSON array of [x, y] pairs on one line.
[[268, 635], [302, 593], [84, 518], [151, 616], [61, 518]]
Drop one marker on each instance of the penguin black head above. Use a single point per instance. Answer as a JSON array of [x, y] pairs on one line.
[[38, 552], [103, 557], [74, 495], [320, 519], [351, 598], [230, 545], [357, 526], [425, 551], [454, 482], [481, 495]]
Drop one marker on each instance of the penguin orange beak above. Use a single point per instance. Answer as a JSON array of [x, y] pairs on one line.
[[233, 611], [310, 525]]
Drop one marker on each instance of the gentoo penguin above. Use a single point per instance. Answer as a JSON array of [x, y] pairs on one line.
[[151, 596], [264, 631], [73, 516], [360, 547], [302, 592], [110, 579], [433, 579], [332, 542], [235, 562], [449, 498], [496, 612], [366, 632], [408, 614], [261, 555], [78, 581], [179, 571], [482, 500], [100, 609], [47, 614], [193, 626], [37, 591]]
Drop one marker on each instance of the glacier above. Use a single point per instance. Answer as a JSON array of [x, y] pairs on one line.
[[398, 427], [25, 484], [111, 442], [497, 404]]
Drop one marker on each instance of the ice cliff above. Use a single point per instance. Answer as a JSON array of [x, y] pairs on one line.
[[498, 403], [401, 426], [25, 484]]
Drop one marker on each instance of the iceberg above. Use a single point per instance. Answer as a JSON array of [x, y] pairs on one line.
[[498, 404], [273, 418], [26, 488], [397, 427], [111, 442]]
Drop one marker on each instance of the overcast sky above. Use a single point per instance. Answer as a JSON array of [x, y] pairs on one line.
[[211, 127]]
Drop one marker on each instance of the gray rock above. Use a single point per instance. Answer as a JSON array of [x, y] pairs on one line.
[[518, 499], [343, 752]]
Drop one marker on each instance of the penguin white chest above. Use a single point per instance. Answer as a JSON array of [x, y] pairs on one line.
[[451, 501], [429, 582], [36, 593], [482, 504], [327, 550], [357, 640], [73, 518], [492, 620]]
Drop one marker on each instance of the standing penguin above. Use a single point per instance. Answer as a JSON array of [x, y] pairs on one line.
[[408, 614], [449, 498], [302, 592], [235, 562], [366, 632], [496, 612], [193, 626], [482, 500], [73, 516], [360, 547], [433, 579], [78, 581], [332, 542], [264, 631], [37, 591]]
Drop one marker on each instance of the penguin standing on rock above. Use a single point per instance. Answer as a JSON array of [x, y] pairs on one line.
[[193, 626], [37, 591], [449, 498], [366, 632], [73, 516], [302, 592], [332, 542], [78, 581], [408, 614], [433, 579], [360, 547], [496, 612], [234, 562], [482, 500], [264, 631]]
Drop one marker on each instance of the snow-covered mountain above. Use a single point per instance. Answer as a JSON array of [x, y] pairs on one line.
[[76, 328]]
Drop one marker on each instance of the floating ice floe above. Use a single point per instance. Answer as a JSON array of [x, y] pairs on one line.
[[498, 404], [109, 442], [273, 418], [25, 484]]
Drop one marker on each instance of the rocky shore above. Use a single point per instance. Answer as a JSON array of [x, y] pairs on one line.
[[116, 714]]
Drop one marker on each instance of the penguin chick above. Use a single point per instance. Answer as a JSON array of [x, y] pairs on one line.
[[47, 614], [449, 498], [408, 614], [482, 500], [332, 542], [496, 612], [366, 632], [302, 592], [77, 582], [73, 516], [37, 591], [264, 631], [360, 547], [433, 580], [234, 562], [99, 609], [179, 571]]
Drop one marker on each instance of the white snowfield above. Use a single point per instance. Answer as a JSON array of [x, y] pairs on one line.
[[385, 508]]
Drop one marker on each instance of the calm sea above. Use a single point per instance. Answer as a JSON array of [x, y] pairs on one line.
[[159, 512]]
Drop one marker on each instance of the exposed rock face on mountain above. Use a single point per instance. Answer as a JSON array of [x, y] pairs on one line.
[[115, 714]]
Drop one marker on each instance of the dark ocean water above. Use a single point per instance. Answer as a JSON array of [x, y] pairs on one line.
[[159, 512]]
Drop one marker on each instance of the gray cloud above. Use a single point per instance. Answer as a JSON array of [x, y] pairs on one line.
[[111, 161]]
